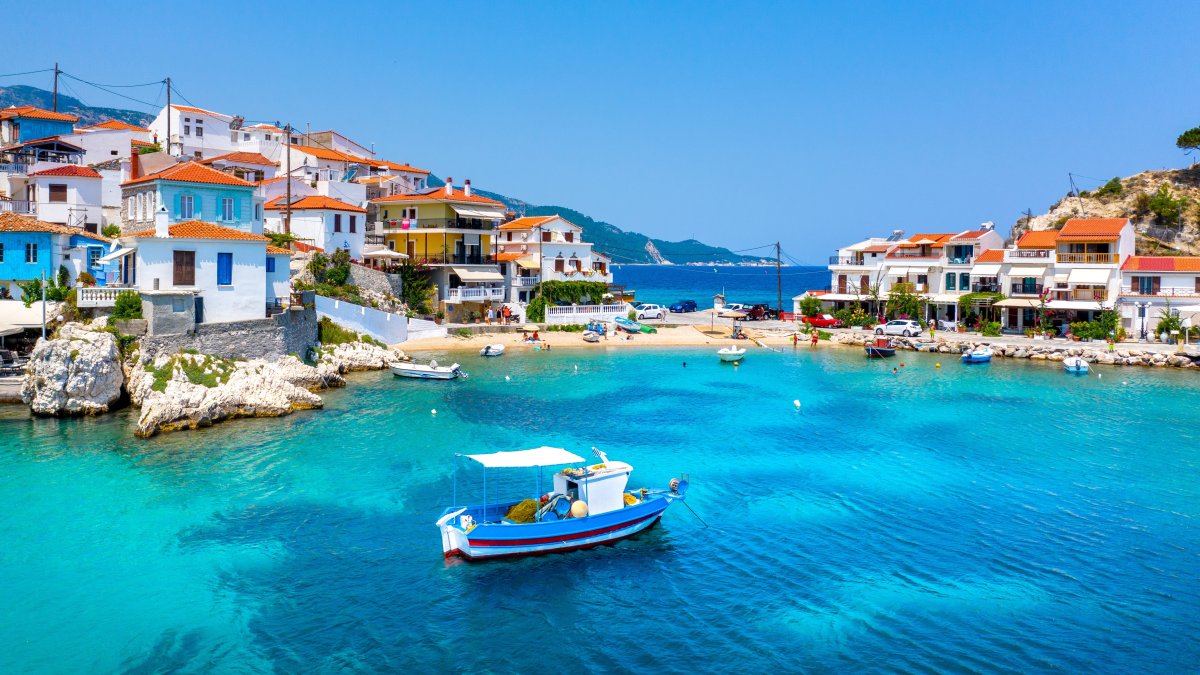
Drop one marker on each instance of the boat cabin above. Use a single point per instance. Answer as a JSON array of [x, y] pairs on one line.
[[600, 486]]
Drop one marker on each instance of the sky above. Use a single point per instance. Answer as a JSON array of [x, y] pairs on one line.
[[738, 123]]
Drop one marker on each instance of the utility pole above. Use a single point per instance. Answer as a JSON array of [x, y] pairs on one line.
[[168, 115], [287, 211], [778, 283], [54, 105], [44, 306]]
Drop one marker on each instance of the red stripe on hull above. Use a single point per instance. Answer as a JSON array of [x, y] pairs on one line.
[[565, 549], [565, 537]]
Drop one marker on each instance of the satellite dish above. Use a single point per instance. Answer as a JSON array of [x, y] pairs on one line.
[[237, 122]]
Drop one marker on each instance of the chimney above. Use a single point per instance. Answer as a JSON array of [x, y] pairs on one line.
[[449, 186], [161, 226], [133, 163], [467, 188]]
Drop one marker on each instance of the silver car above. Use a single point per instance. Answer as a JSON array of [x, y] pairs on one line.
[[905, 327]]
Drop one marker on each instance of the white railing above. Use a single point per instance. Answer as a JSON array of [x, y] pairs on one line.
[[584, 313], [474, 294], [1026, 254], [18, 206], [98, 296], [526, 282]]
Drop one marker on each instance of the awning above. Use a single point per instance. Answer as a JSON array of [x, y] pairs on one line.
[[384, 253], [476, 212], [477, 275], [14, 314], [1088, 275], [1060, 279], [944, 299], [985, 270], [1017, 302], [10, 330], [905, 271], [119, 253], [1031, 271], [527, 263], [840, 297], [1093, 305], [543, 456]]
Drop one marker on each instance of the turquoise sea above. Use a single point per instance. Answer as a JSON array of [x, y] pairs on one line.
[[1004, 517]]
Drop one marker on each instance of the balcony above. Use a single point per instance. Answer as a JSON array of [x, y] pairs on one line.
[[98, 296], [846, 260], [1087, 294], [474, 294], [435, 258], [15, 167], [18, 206], [1089, 258], [984, 287], [397, 225], [1027, 255], [913, 253], [1162, 292], [374, 240], [526, 282], [910, 287], [1026, 289], [960, 260]]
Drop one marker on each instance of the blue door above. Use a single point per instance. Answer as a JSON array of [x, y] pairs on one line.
[[199, 309]]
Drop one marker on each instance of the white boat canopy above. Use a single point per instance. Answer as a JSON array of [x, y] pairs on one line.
[[543, 456]]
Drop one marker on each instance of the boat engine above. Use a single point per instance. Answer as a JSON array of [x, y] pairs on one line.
[[679, 486]]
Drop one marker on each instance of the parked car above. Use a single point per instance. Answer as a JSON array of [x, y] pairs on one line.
[[683, 306], [649, 311], [760, 312], [823, 321], [732, 309], [905, 327]]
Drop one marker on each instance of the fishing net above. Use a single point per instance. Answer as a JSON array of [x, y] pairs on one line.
[[523, 512]]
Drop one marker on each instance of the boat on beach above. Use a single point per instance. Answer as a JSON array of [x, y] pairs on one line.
[[591, 336], [731, 354], [881, 348], [980, 354], [496, 349], [428, 372], [1076, 364], [631, 326], [587, 506]]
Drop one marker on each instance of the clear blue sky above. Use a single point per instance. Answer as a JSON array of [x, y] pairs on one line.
[[740, 123]]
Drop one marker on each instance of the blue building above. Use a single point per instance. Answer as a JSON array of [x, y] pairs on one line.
[[30, 248], [191, 191], [21, 124]]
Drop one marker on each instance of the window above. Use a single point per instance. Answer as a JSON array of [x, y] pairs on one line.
[[187, 119], [31, 253], [93, 253], [258, 211], [199, 131], [2, 259], [950, 278], [187, 206], [575, 264], [184, 271], [392, 247], [545, 236], [964, 281], [187, 130], [1197, 278], [570, 236], [178, 305], [270, 264], [226, 208], [337, 222], [353, 227], [224, 269], [245, 137], [129, 207], [1146, 285], [558, 264], [113, 152], [922, 279], [267, 137], [58, 193]]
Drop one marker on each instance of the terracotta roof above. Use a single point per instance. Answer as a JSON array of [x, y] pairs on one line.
[[939, 240], [1038, 239], [265, 127], [48, 139], [527, 223], [115, 124], [192, 172], [438, 195], [275, 250], [326, 153], [133, 142], [314, 202], [372, 180], [268, 181], [1093, 228], [878, 248], [11, 222], [241, 158], [202, 111], [197, 229], [69, 170], [991, 255], [307, 248], [35, 113], [970, 234], [1146, 263], [394, 166]]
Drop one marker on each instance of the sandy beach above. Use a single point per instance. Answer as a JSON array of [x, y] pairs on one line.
[[667, 336]]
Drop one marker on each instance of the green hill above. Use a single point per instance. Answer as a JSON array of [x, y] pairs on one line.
[[40, 98]]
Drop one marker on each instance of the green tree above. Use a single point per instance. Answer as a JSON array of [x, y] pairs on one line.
[[111, 231], [1166, 209], [128, 305], [339, 267], [1111, 188], [810, 306], [1189, 140], [416, 282], [902, 302], [280, 239]]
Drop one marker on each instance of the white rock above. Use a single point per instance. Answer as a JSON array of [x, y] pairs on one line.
[[354, 356], [77, 373]]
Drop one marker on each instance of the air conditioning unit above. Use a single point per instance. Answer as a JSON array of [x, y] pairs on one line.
[[524, 248], [524, 236]]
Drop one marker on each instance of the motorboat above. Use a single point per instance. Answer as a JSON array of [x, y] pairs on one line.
[[428, 372], [881, 348], [730, 354], [1076, 364], [591, 336], [587, 506], [628, 325], [492, 350], [980, 354]]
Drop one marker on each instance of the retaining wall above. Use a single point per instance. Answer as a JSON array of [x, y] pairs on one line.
[[383, 326], [374, 280], [294, 331]]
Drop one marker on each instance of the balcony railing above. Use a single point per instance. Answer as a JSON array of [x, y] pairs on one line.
[[846, 260], [98, 296], [1170, 291], [18, 206], [912, 253], [474, 294], [982, 287], [1026, 289], [1011, 254], [1089, 258], [374, 239], [1088, 294], [526, 282], [435, 258], [397, 225], [960, 260], [15, 167]]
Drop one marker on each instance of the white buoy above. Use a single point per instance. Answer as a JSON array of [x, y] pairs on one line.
[[507, 378], [796, 403], [1099, 376], [433, 412]]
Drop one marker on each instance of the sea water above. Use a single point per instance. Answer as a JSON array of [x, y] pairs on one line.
[[997, 517]]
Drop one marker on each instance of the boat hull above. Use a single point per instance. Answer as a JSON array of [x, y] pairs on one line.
[[627, 325], [424, 374], [874, 352], [730, 357], [1075, 365], [492, 350]]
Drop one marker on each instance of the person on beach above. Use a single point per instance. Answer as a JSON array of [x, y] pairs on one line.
[[535, 336], [795, 340], [932, 328], [815, 336], [491, 313]]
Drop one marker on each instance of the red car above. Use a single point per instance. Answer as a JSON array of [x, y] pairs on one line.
[[823, 321]]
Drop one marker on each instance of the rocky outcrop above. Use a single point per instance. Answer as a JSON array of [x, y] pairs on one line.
[[77, 373], [187, 391], [350, 357]]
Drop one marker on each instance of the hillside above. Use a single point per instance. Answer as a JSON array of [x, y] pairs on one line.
[[22, 95], [1164, 207]]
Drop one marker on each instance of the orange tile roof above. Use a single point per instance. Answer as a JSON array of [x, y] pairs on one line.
[[939, 240], [115, 124], [395, 167], [202, 111], [326, 153], [11, 222], [314, 202], [48, 139], [198, 229], [1145, 263], [69, 170], [372, 180], [135, 143], [275, 250], [241, 158], [991, 255], [265, 127], [878, 248], [192, 172], [35, 113], [970, 234], [509, 257], [1093, 228], [527, 223], [438, 195], [1038, 239]]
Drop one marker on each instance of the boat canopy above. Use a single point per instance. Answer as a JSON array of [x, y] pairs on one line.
[[543, 456]]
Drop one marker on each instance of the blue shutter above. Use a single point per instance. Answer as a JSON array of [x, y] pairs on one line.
[[270, 264], [950, 281], [224, 269]]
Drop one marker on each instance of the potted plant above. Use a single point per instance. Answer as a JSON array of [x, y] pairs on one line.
[[439, 316]]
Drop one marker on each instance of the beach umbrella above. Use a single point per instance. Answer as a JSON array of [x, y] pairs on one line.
[[531, 326]]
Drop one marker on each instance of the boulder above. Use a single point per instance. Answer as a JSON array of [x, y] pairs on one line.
[[355, 356], [77, 373], [1106, 359]]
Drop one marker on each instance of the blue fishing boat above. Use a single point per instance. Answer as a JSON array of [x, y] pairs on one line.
[[588, 506], [881, 348], [980, 354], [628, 325]]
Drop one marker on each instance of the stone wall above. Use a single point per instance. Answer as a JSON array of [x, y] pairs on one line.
[[167, 312], [294, 331], [374, 280]]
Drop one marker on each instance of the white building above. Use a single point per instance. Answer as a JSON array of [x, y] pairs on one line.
[[323, 222], [68, 195], [249, 166], [1153, 286], [548, 248], [194, 132], [108, 140], [337, 142]]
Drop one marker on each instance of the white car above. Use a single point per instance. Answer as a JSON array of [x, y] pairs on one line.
[[650, 312], [733, 309], [905, 327]]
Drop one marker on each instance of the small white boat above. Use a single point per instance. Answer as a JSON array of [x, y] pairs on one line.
[[981, 354], [1075, 364], [492, 350], [430, 372], [729, 354], [591, 336]]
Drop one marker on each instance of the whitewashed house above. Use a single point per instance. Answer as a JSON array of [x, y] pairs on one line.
[[109, 140], [323, 222], [194, 132], [1152, 286], [68, 195], [548, 248]]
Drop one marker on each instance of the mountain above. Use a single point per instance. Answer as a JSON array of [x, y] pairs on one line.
[[1164, 207], [40, 98]]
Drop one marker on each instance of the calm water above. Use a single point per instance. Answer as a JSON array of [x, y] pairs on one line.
[[665, 284], [1002, 517]]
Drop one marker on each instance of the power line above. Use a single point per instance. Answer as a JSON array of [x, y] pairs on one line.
[[114, 93], [29, 72]]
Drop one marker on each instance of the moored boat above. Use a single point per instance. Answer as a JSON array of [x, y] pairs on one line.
[[1076, 364], [496, 349], [428, 372], [730, 354], [881, 348], [980, 354], [588, 506], [628, 325]]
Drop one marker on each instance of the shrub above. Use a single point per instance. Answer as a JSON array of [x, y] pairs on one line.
[[339, 268], [463, 332], [111, 231], [1165, 208], [632, 315], [329, 333], [854, 316], [1168, 323], [810, 306], [128, 305], [991, 329], [86, 279], [1111, 188]]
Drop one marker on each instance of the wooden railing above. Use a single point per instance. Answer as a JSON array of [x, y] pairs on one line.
[[1089, 258]]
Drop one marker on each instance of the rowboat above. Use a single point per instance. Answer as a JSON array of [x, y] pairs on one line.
[[430, 372], [980, 354], [881, 348], [591, 336], [730, 354], [492, 350], [1076, 364], [587, 506]]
